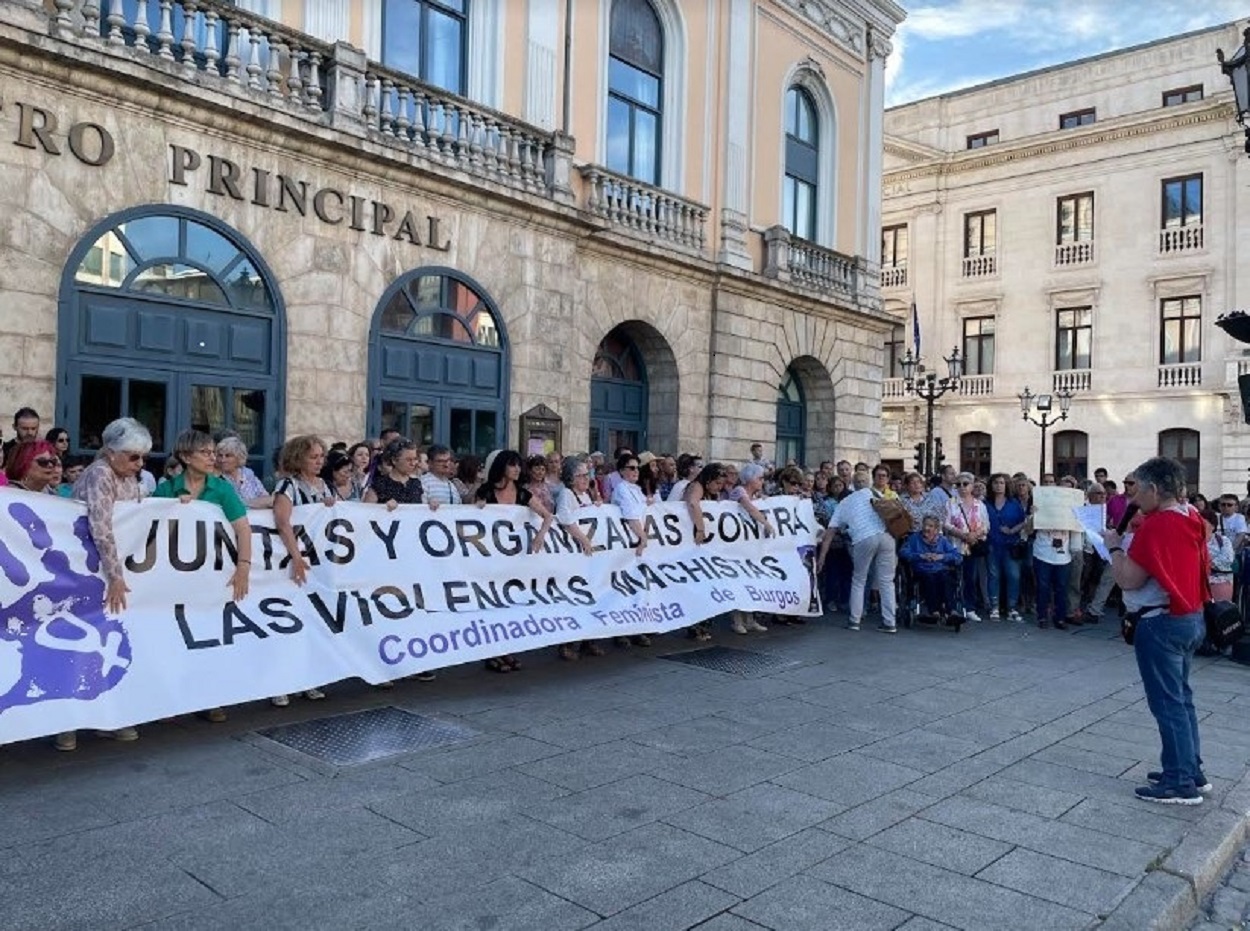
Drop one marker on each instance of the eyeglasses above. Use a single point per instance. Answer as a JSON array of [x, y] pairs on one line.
[[962, 484], [135, 457], [47, 462], [1228, 504], [581, 475], [205, 451]]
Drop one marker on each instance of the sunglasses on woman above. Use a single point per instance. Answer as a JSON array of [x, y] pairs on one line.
[[47, 462]]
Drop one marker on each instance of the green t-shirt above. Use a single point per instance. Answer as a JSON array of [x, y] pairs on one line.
[[216, 490]]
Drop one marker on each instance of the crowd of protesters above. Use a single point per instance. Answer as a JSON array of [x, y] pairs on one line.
[[972, 552]]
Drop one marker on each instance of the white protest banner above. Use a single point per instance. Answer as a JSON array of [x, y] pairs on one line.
[[389, 594], [1052, 507]]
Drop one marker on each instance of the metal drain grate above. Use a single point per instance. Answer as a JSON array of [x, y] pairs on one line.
[[364, 736], [728, 659]]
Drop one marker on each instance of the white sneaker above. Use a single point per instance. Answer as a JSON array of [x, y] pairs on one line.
[[971, 615], [67, 741], [738, 627], [994, 615], [756, 626], [1015, 616], [314, 694], [280, 701], [124, 734]]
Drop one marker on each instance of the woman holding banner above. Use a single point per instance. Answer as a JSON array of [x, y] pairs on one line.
[[573, 495], [198, 455], [503, 486], [706, 486], [112, 477], [300, 463]]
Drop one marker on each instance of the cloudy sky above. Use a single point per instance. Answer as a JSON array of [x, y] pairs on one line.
[[948, 44]]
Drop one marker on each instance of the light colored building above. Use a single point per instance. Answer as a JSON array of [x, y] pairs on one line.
[[1074, 228], [332, 216]]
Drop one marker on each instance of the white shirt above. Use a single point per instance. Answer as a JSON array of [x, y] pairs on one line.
[[856, 514], [437, 490], [629, 498], [147, 481], [568, 503], [1044, 547], [1234, 524], [678, 491]]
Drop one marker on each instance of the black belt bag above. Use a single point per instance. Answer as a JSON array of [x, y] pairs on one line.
[[1128, 624]]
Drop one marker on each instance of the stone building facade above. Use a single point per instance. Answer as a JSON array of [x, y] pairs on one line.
[[215, 217], [1074, 228]]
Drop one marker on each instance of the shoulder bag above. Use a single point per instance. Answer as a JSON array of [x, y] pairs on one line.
[[897, 519]]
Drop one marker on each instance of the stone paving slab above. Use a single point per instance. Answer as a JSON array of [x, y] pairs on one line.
[[917, 782]]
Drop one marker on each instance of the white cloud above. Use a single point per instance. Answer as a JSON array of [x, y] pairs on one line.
[[1007, 37]]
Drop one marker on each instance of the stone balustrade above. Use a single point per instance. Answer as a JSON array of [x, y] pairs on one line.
[[894, 276], [1071, 380], [1181, 375], [216, 45], [801, 262], [207, 40], [1175, 239], [979, 266], [450, 130], [645, 211], [975, 386], [893, 389], [1068, 254]]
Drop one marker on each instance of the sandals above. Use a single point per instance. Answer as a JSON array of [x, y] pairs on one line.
[[567, 652], [496, 664], [511, 662]]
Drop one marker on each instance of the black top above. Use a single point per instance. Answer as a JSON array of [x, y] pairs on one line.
[[387, 489], [486, 492]]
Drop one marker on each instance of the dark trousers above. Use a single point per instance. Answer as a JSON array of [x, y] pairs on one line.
[[937, 590]]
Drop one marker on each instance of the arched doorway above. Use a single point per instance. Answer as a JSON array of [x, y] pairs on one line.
[[634, 396], [438, 367], [791, 420], [805, 413], [618, 395], [169, 316]]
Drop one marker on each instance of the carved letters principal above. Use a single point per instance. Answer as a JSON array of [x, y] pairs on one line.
[[93, 145]]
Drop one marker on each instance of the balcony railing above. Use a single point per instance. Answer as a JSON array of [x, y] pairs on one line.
[[1235, 368], [980, 266], [644, 210], [1073, 253], [894, 276], [1180, 239], [1071, 380], [893, 389], [789, 258], [1181, 375], [222, 48], [976, 386]]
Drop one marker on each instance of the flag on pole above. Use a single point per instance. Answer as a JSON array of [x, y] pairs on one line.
[[915, 329]]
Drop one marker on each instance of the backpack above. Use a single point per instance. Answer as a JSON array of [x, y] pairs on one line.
[[897, 519]]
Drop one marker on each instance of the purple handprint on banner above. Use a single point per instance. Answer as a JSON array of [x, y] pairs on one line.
[[55, 640]]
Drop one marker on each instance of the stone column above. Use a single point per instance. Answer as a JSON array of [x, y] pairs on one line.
[[346, 86], [559, 167], [777, 256], [868, 240], [738, 107]]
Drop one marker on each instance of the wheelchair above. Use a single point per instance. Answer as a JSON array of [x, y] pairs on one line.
[[909, 596]]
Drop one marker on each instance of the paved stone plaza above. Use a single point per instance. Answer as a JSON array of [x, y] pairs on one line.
[[923, 781]]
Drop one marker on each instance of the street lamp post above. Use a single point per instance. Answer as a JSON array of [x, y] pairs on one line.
[[1044, 404], [927, 386], [1237, 70]]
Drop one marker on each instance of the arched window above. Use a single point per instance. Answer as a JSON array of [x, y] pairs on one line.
[[791, 420], [619, 394], [170, 317], [1071, 454], [427, 39], [438, 363], [1184, 446], [802, 164], [975, 454], [635, 90]]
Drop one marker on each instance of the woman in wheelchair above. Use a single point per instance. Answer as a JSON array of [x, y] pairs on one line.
[[930, 556]]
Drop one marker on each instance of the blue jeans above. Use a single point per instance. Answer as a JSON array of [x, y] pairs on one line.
[[1001, 567], [1165, 648], [1052, 590]]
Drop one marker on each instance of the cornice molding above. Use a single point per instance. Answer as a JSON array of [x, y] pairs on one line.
[[960, 162], [833, 22]]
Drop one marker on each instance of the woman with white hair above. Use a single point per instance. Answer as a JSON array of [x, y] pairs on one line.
[[112, 477], [750, 485], [232, 466]]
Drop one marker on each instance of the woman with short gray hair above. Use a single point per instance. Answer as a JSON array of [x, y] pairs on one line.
[[112, 477], [232, 466], [1161, 569]]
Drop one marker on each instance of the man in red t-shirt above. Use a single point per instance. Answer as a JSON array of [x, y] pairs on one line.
[[1161, 569]]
